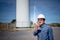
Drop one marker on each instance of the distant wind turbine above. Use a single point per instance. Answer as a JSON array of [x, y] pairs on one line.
[[34, 13]]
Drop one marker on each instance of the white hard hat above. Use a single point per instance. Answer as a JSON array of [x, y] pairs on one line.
[[41, 16]]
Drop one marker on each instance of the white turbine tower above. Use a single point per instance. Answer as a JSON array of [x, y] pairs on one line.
[[22, 13]]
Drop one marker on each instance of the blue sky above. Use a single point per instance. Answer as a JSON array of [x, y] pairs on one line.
[[7, 10], [50, 8]]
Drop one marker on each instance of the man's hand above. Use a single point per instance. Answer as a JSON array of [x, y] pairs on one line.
[[37, 25]]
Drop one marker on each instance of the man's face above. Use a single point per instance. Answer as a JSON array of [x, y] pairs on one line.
[[41, 20]]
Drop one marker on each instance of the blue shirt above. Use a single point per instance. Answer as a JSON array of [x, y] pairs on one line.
[[44, 32]]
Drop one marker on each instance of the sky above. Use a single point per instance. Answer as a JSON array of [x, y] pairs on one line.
[[50, 8], [7, 10]]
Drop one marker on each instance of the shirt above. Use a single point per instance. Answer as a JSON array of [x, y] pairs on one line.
[[44, 32]]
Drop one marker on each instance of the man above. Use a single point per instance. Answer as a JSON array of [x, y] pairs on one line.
[[42, 30]]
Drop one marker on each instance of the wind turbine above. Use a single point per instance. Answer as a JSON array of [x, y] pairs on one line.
[[34, 13], [35, 2], [34, 16]]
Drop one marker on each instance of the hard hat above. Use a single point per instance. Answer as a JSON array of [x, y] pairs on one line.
[[41, 16]]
